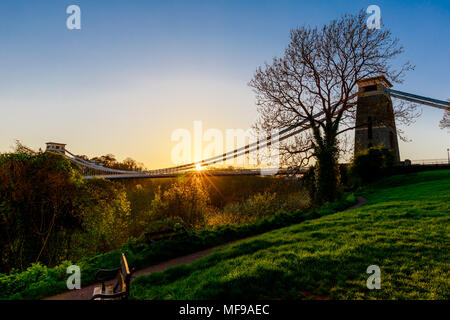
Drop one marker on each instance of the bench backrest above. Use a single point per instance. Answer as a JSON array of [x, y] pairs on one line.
[[124, 277]]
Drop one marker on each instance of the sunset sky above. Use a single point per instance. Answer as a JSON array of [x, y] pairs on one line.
[[138, 70]]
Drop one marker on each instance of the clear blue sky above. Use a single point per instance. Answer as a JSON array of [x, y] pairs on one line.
[[137, 70]]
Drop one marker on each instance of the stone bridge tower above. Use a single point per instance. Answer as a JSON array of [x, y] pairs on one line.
[[375, 122], [56, 147]]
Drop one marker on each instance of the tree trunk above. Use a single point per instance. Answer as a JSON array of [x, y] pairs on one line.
[[327, 176]]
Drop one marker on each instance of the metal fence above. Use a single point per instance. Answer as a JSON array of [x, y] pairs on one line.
[[431, 161]]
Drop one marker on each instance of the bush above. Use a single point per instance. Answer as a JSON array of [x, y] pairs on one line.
[[48, 214], [105, 224], [371, 164], [327, 175], [258, 206], [187, 199], [345, 175], [39, 204], [309, 182]]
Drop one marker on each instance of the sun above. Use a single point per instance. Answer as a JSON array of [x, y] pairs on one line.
[[198, 167]]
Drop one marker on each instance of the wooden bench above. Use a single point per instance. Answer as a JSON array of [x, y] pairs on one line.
[[114, 291]]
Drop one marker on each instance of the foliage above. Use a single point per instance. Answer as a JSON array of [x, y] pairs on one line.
[[309, 181], [257, 206], [344, 172], [169, 224], [404, 229], [260, 205], [38, 281], [327, 175], [38, 206], [187, 198], [49, 214], [92, 216], [109, 161], [372, 163], [228, 189], [105, 219]]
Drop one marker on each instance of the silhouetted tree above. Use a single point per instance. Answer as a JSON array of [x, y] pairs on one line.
[[48, 213], [109, 161], [445, 121], [23, 149], [39, 202], [319, 73]]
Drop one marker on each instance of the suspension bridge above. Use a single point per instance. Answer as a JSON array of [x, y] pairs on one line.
[[92, 170]]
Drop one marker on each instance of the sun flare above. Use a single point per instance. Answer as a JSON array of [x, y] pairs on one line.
[[198, 167]]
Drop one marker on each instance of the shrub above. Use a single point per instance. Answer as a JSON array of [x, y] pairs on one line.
[[187, 199], [105, 222], [261, 205], [48, 214], [295, 201], [371, 164], [39, 203], [345, 175], [309, 182], [163, 227], [327, 175]]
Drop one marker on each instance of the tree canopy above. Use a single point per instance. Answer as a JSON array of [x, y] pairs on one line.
[[316, 81]]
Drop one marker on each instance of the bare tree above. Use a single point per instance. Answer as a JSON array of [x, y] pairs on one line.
[[23, 149], [445, 121], [130, 164], [318, 74], [108, 160]]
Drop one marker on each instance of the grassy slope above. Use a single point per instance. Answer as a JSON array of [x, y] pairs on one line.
[[404, 229]]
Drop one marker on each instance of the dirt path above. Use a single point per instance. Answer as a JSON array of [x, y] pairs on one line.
[[85, 293], [359, 202]]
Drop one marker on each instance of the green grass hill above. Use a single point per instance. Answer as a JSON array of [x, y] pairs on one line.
[[404, 229]]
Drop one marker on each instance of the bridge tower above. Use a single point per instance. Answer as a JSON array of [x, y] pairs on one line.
[[375, 121], [56, 147]]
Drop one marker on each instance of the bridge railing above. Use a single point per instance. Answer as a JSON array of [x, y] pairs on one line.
[[431, 161]]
